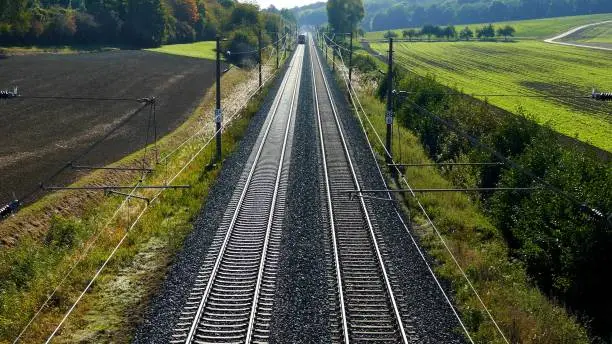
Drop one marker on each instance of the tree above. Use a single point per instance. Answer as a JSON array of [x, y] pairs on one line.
[[244, 14], [186, 11], [145, 22], [506, 31], [466, 34], [390, 34], [430, 30], [345, 15], [486, 32], [449, 32], [410, 33]]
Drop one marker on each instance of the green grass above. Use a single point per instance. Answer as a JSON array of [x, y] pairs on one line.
[[36, 263], [525, 67], [536, 28], [201, 50], [593, 34], [524, 314]]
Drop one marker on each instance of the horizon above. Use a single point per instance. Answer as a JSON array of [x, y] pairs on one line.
[[288, 4]]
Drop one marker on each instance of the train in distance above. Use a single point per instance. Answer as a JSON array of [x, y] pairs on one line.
[[302, 39]]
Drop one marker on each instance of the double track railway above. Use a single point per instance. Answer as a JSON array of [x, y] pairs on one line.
[[232, 299]]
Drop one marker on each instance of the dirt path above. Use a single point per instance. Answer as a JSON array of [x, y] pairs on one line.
[[555, 39]]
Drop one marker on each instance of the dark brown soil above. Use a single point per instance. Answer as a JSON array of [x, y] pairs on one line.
[[37, 136]]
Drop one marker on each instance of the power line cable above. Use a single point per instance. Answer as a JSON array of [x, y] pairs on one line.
[[85, 152]]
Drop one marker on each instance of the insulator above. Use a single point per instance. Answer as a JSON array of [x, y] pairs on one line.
[[7, 94], [9, 209], [605, 96]]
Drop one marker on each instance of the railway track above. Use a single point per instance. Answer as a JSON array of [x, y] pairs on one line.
[[231, 300], [366, 304]]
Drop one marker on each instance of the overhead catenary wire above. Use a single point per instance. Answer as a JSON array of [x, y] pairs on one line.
[[86, 151], [355, 98], [94, 99], [133, 224], [476, 142], [201, 130]]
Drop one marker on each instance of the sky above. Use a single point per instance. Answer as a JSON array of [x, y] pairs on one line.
[[284, 3]]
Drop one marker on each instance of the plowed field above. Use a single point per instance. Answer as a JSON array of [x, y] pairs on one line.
[[39, 136]]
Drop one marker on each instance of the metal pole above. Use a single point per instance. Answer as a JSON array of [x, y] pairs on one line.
[[389, 115], [218, 113], [260, 60], [351, 61], [325, 49], [333, 59], [277, 52]]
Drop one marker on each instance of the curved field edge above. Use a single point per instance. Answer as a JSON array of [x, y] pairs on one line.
[[594, 34], [524, 314], [202, 50], [524, 68], [532, 29], [68, 222]]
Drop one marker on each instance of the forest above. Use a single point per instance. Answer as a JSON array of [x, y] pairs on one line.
[[394, 14], [137, 23]]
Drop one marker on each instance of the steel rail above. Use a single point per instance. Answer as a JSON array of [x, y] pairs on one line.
[[375, 244], [343, 316], [221, 254], [273, 207]]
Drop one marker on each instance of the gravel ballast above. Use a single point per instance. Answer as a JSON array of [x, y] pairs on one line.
[[300, 308], [166, 306], [424, 308]]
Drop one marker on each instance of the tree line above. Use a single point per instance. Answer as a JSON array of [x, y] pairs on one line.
[[563, 242], [395, 14], [486, 32], [140, 23], [402, 14]]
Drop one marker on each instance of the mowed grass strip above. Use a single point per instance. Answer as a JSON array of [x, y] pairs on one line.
[[201, 50], [535, 28], [524, 68]]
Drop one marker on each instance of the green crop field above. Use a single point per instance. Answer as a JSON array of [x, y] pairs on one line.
[[593, 34], [202, 50], [536, 29], [528, 68]]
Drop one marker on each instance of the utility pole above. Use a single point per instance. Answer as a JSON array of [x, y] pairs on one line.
[[325, 38], [333, 59], [389, 115], [277, 52], [218, 113], [351, 61], [260, 61]]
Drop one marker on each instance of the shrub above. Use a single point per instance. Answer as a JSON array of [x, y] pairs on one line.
[[364, 63]]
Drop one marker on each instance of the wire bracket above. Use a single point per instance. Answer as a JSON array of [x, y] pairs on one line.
[[8, 94]]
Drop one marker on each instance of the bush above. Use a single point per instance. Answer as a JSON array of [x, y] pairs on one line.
[[563, 244], [364, 63], [63, 233], [240, 46]]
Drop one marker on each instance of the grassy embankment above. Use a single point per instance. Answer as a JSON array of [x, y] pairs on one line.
[[109, 312], [525, 67], [526, 29], [523, 312], [203, 50]]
